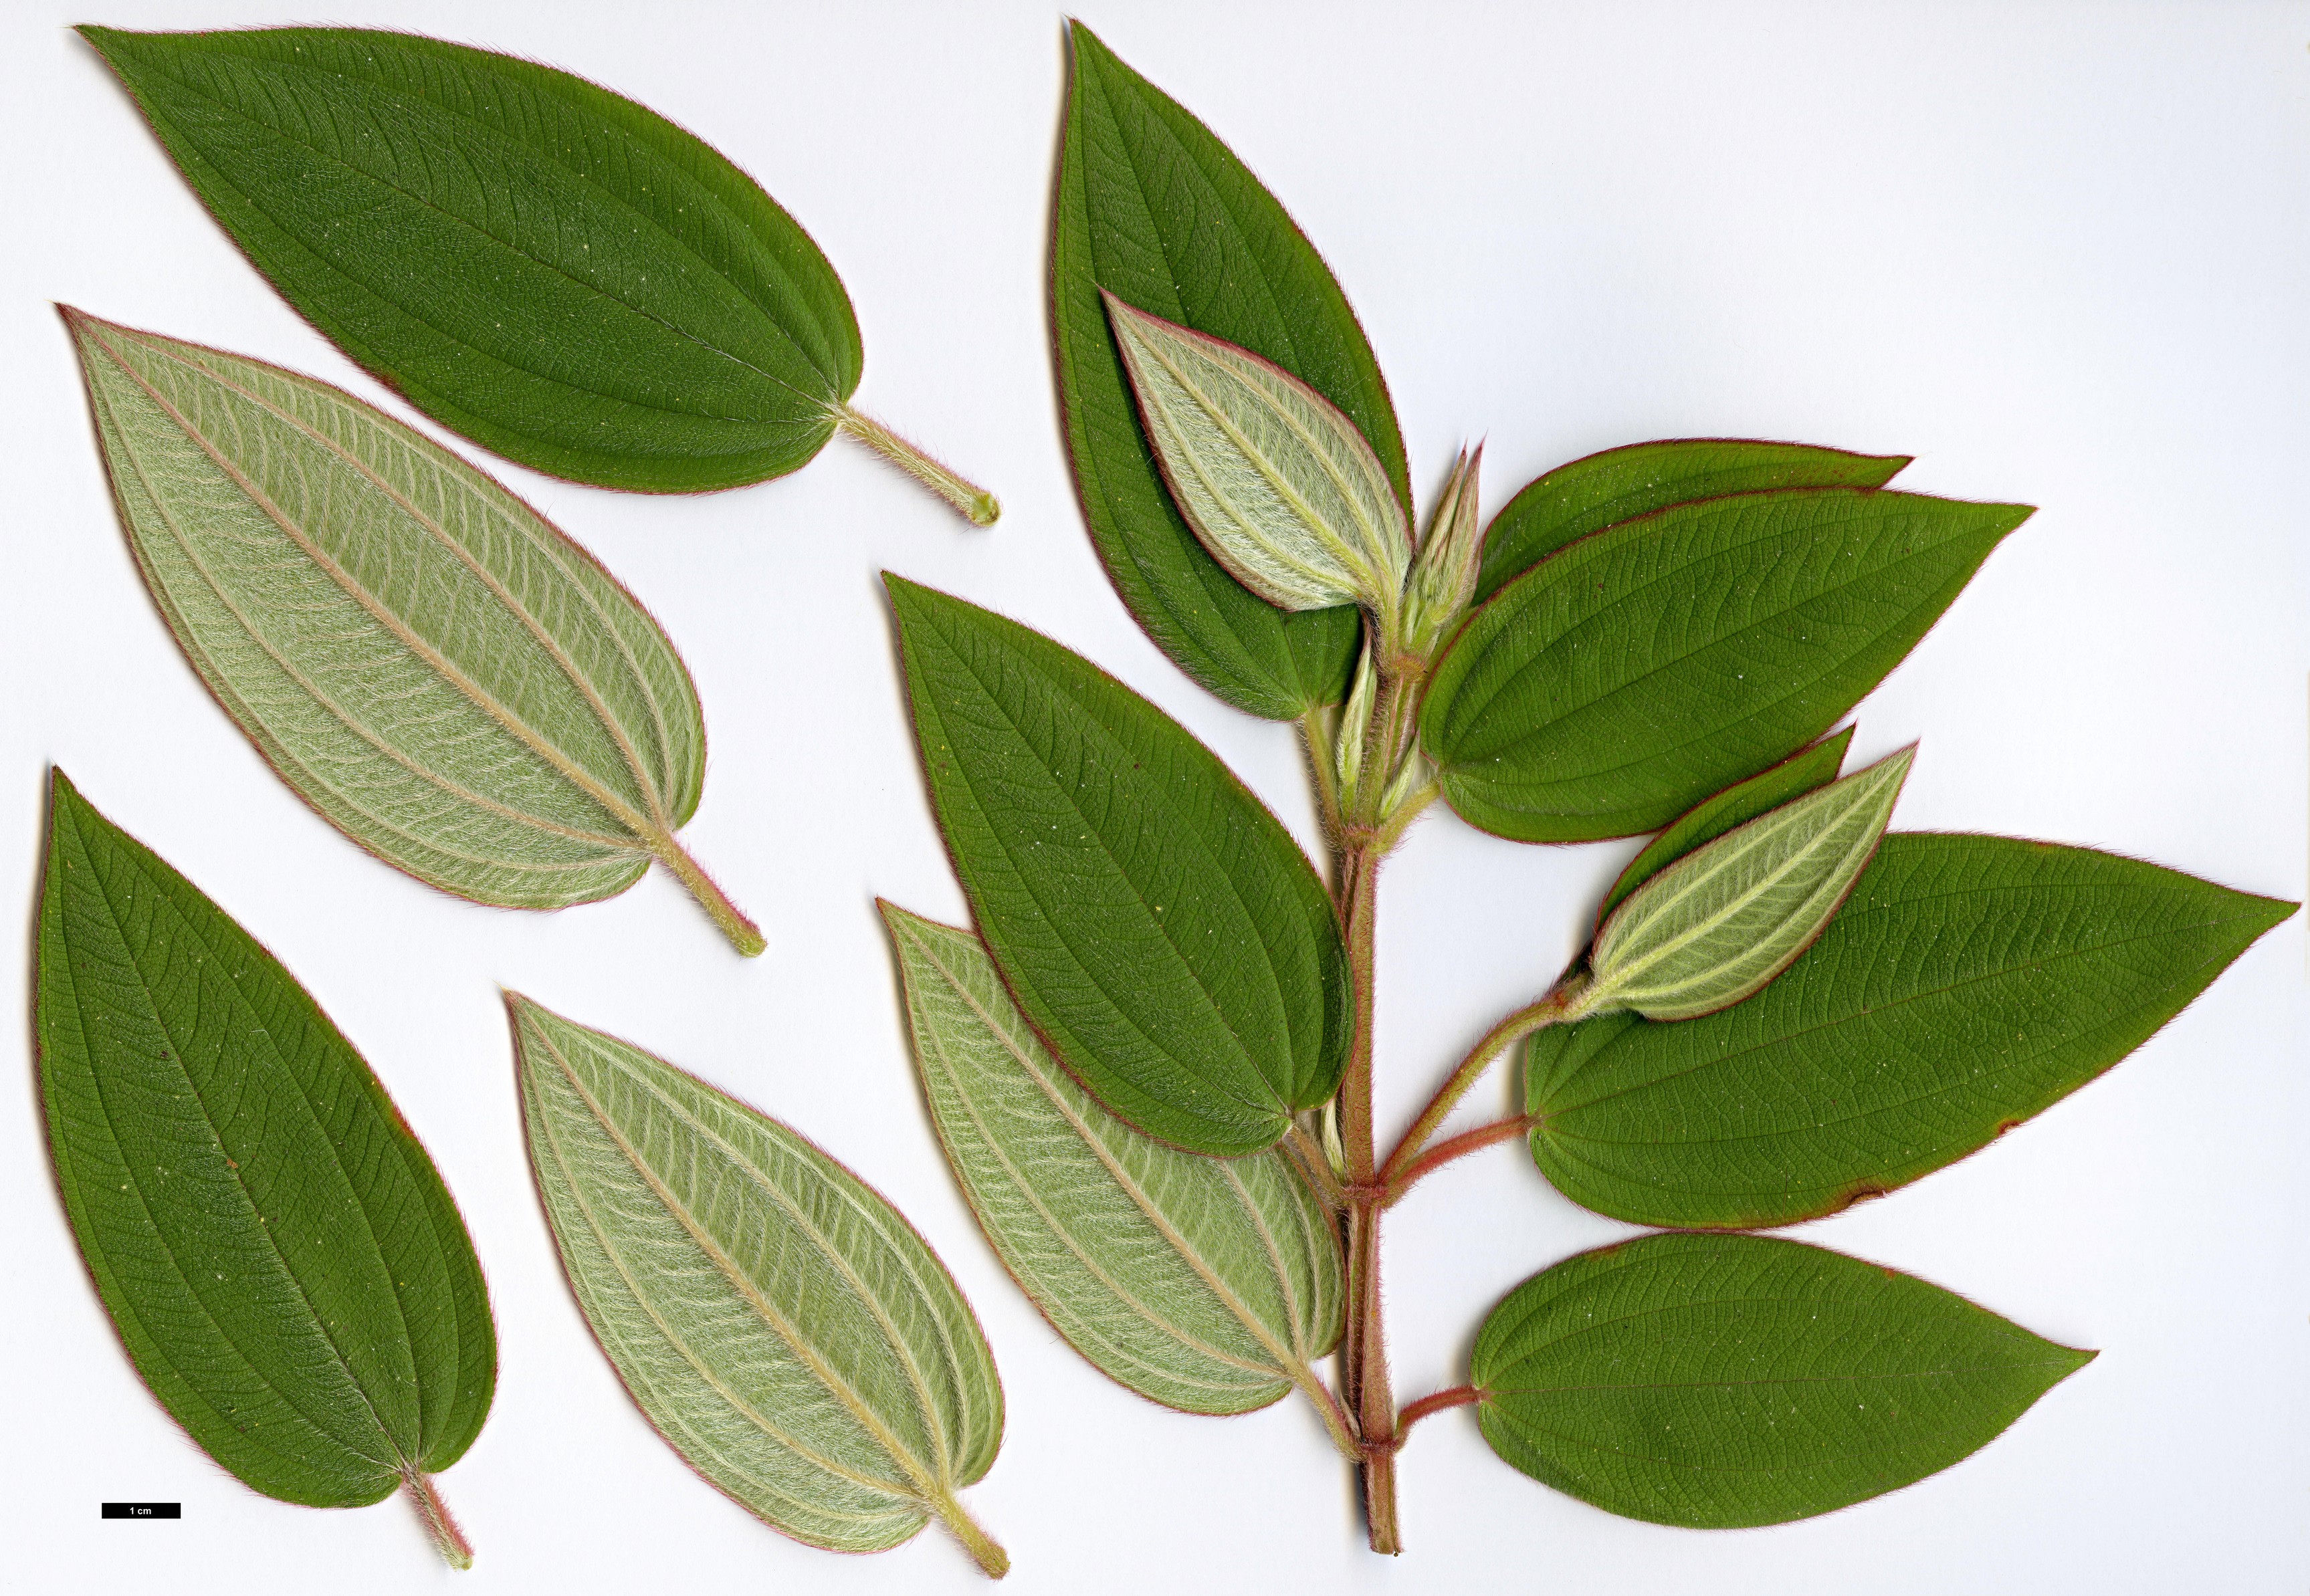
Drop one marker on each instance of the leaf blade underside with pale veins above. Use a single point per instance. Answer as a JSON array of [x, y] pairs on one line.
[[542, 266], [1159, 927], [1208, 1285], [283, 1261], [1721, 1382], [1968, 984], [1155, 210], [430, 664], [780, 1324], [1620, 682]]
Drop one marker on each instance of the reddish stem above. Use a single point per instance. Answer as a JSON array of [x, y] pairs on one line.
[[1459, 1396], [1451, 1148]]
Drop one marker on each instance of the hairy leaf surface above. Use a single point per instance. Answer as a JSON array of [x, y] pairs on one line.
[[1737, 804], [281, 1258], [1617, 485], [1209, 1285], [1156, 210], [1720, 1382], [1969, 983], [433, 666], [1159, 926], [542, 266], [1279, 485], [781, 1324], [1616, 685], [1712, 928]]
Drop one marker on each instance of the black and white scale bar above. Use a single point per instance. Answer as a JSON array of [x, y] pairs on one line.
[[143, 1509]]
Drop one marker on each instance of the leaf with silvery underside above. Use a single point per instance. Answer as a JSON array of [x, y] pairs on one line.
[[1719, 923], [1619, 683], [285, 1266], [1159, 927], [1721, 1382], [427, 661], [1968, 984], [1154, 210], [1279, 485], [542, 266], [1617, 485], [779, 1322], [1742, 801], [1210, 1285]]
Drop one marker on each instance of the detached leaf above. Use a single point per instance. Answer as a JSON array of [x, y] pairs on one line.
[[554, 272], [1160, 928], [1743, 801], [1717, 926], [1621, 484], [430, 663], [1154, 210], [1616, 685], [1204, 1284], [1720, 1382], [1969, 983], [1279, 485], [777, 1321], [286, 1268]]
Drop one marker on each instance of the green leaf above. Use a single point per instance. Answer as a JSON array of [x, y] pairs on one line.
[[1719, 1381], [1616, 685], [1742, 801], [1208, 1285], [1719, 923], [285, 1267], [1159, 926], [1969, 983], [1154, 210], [1279, 485], [432, 665], [1621, 484], [542, 266], [782, 1325]]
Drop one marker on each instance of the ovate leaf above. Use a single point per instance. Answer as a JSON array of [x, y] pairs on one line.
[[1742, 801], [281, 1258], [1968, 984], [432, 664], [1621, 484], [1616, 685], [1154, 210], [785, 1330], [1279, 485], [1211, 1285], [1720, 1382], [1157, 925], [546, 267], [1717, 926]]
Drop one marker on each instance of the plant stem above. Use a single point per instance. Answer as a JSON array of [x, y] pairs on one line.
[[974, 501], [991, 1558], [438, 1521], [1459, 1396], [743, 934], [1456, 1147], [1497, 1041], [1305, 1153]]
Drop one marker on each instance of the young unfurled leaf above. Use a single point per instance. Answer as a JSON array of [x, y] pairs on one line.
[[1279, 485], [1969, 983], [1720, 1381], [1154, 210], [1210, 1285], [554, 272], [1616, 685], [451, 682], [1717, 926], [286, 1268], [1737, 804], [779, 1322], [1159, 926], [1621, 484]]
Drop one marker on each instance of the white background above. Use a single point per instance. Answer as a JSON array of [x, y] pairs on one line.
[[2057, 252]]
